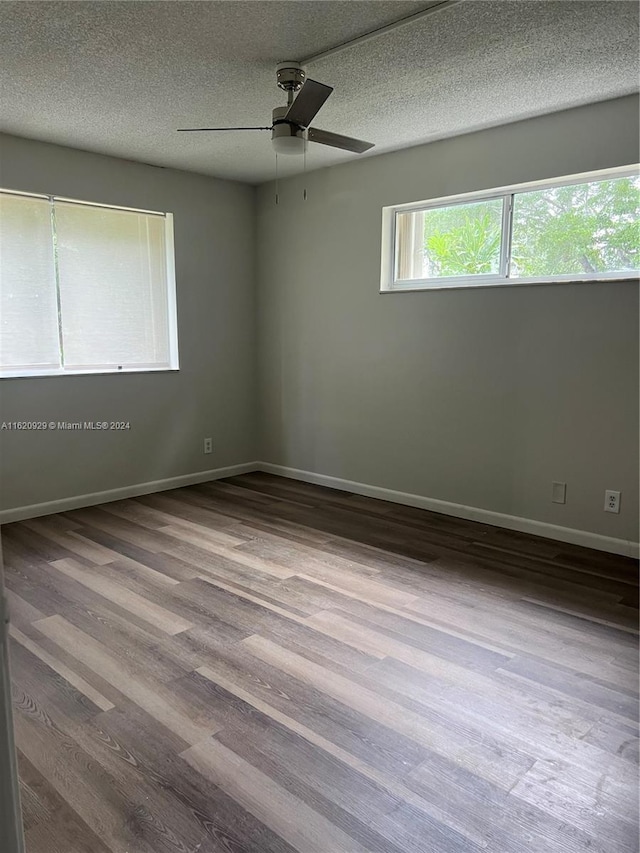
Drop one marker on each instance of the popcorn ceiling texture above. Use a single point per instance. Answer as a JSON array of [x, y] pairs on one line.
[[118, 78]]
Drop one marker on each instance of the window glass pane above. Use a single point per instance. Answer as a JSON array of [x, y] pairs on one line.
[[581, 229], [113, 287], [458, 240], [28, 305]]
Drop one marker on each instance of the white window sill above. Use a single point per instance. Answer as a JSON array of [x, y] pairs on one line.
[[24, 374], [474, 283]]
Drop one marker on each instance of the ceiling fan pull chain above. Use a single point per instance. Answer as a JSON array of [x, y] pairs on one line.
[[277, 200], [304, 168]]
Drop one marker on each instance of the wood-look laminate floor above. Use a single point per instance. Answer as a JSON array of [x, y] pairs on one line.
[[263, 666]]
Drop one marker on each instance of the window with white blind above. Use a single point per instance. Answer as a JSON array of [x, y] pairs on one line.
[[84, 288]]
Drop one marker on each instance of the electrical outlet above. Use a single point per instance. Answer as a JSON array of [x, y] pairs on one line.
[[559, 493], [208, 445], [611, 501]]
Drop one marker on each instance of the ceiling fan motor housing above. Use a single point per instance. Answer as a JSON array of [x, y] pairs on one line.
[[280, 123]]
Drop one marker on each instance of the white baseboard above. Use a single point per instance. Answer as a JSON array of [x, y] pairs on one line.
[[64, 504], [498, 519], [485, 516]]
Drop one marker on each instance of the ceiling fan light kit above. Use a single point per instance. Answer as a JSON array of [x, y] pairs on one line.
[[290, 128], [286, 138]]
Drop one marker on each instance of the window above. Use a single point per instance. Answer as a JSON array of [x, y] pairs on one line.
[[584, 228], [84, 288]]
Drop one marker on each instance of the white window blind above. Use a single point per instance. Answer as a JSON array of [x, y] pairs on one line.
[[29, 337], [85, 288]]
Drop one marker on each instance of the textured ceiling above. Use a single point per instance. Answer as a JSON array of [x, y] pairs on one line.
[[120, 77]]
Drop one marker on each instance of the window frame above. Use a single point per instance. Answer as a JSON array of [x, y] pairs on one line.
[[390, 284], [172, 312]]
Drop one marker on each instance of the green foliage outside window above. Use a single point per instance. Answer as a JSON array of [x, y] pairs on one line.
[[585, 228], [463, 239]]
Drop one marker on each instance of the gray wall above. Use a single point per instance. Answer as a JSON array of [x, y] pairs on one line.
[[213, 394], [479, 397]]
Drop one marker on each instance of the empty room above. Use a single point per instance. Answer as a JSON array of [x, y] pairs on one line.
[[319, 391]]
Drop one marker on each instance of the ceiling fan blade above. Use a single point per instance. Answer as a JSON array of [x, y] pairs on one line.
[[308, 102], [336, 140], [198, 129]]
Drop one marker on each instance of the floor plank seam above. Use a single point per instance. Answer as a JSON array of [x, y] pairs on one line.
[[267, 666]]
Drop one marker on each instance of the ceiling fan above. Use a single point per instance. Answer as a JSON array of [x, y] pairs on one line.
[[290, 128]]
